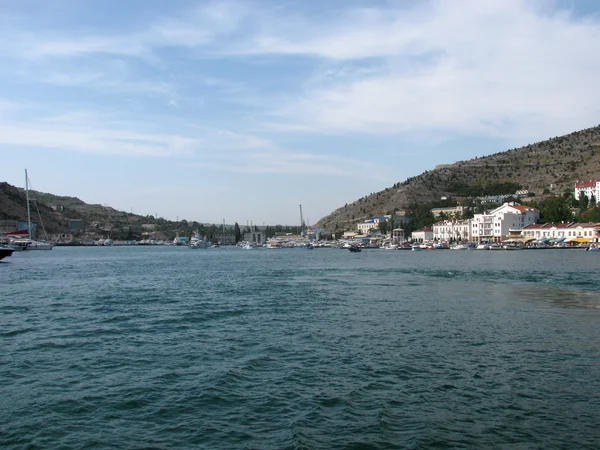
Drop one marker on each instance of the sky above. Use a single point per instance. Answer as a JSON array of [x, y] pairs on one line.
[[243, 110]]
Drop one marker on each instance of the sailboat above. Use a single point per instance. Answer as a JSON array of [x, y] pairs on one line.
[[30, 244]]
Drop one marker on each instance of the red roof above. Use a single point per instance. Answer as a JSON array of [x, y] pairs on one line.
[[423, 229], [539, 226], [523, 208], [581, 184]]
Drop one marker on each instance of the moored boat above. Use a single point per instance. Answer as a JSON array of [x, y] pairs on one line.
[[5, 252]]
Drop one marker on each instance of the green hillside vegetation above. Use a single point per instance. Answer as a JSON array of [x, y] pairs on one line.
[[549, 167]]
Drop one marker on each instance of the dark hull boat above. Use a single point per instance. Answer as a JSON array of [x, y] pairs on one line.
[[4, 252]]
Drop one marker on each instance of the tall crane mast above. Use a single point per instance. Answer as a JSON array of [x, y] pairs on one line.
[[301, 220]]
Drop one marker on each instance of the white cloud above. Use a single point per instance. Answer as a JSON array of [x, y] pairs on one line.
[[487, 68], [475, 68]]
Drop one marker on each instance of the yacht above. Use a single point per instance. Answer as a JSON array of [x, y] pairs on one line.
[[198, 241]]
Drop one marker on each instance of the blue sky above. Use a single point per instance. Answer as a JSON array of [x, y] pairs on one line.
[[242, 110]]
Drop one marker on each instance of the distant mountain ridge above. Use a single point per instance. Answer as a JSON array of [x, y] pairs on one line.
[[553, 165]]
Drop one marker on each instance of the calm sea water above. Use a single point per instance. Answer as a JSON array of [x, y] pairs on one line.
[[156, 347]]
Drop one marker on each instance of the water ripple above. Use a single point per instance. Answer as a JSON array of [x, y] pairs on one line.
[[166, 347]]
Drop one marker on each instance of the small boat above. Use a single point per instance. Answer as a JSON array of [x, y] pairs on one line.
[[5, 251], [416, 247], [483, 247], [512, 247], [592, 248], [459, 247], [354, 248]]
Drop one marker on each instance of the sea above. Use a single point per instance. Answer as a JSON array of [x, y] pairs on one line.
[[225, 348]]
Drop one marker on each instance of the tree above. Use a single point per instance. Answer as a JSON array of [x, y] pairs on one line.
[[383, 226], [555, 210], [583, 201], [238, 233]]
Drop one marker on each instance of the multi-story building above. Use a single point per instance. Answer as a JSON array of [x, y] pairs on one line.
[[256, 237], [452, 230], [224, 238], [589, 188], [371, 223], [498, 223]]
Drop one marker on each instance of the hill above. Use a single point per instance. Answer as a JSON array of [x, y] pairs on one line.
[[550, 166], [55, 211]]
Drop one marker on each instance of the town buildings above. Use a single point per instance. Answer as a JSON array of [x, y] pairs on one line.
[[498, 223], [255, 237], [567, 231], [591, 188], [422, 235], [371, 223], [454, 212], [452, 230]]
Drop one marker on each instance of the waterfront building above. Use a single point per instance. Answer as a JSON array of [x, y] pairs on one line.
[[371, 223], [497, 224], [452, 230], [256, 237], [398, 235], [422, 235], [226, 238], [589, 188], [567, 231]]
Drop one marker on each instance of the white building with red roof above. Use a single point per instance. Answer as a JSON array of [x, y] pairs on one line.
[[589, 188], [497, 224], [568, 231]]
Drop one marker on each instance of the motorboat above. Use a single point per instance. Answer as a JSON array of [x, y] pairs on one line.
[[483, 247], [5, 251], [459, 247], [416, 247], [37, 245], [512, 246], [354, 248]]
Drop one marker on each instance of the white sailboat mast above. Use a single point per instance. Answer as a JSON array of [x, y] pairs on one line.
[[28, 210]]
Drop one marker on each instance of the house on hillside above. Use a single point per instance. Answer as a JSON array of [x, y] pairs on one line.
[[589, 188], [454, 212]]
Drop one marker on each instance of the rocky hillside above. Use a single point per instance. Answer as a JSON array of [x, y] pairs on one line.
[[553, 165], [55, 211]]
